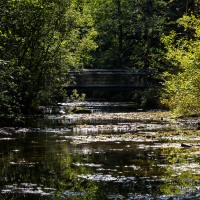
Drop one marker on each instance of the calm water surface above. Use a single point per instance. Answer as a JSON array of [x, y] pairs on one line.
[[56, 161]]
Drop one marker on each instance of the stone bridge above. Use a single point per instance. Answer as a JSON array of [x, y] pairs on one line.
[[109, 84]]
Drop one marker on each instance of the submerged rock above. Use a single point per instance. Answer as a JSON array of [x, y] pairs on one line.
[[186, 145]]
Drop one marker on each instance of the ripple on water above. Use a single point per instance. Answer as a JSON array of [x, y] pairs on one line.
[[27, 188], [107, 178], [73, 194], [192, 167], [7, 139], [87, 164]]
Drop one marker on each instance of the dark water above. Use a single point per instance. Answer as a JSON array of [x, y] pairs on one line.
[[59, 162]]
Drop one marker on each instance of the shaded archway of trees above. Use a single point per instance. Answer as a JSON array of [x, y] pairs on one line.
[[41, 41]]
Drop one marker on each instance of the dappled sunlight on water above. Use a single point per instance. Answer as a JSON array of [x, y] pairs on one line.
[[93, 156]]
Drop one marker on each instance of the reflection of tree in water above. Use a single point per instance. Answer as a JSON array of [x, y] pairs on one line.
[[65, 178], [50, 175], [182, 171]]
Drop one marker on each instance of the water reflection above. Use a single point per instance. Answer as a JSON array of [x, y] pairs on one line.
[[60, 163], [39, 165], [182, 171]]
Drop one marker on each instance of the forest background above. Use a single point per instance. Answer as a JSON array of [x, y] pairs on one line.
[[42, 40]]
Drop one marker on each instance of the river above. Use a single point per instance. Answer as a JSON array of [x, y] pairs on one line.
[[110, 154]]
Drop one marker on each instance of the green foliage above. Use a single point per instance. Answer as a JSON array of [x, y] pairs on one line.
[[40, 41], [182, 85], [129, 32]]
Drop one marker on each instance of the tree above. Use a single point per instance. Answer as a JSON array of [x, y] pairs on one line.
[[129, 32], [182, 85], [39, 42]]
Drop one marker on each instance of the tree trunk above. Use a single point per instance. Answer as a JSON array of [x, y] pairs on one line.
[[190, 6], [120, 35]]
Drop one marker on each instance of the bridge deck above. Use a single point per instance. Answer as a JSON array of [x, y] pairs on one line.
[[107, 81], [111, 77]]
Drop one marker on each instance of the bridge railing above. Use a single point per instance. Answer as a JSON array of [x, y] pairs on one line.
[[108, 78]]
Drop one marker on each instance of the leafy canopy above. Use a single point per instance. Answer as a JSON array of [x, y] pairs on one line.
[[40, 41], [182, 85]]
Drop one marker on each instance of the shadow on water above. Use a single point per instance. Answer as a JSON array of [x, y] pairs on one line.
[[95, 156]]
